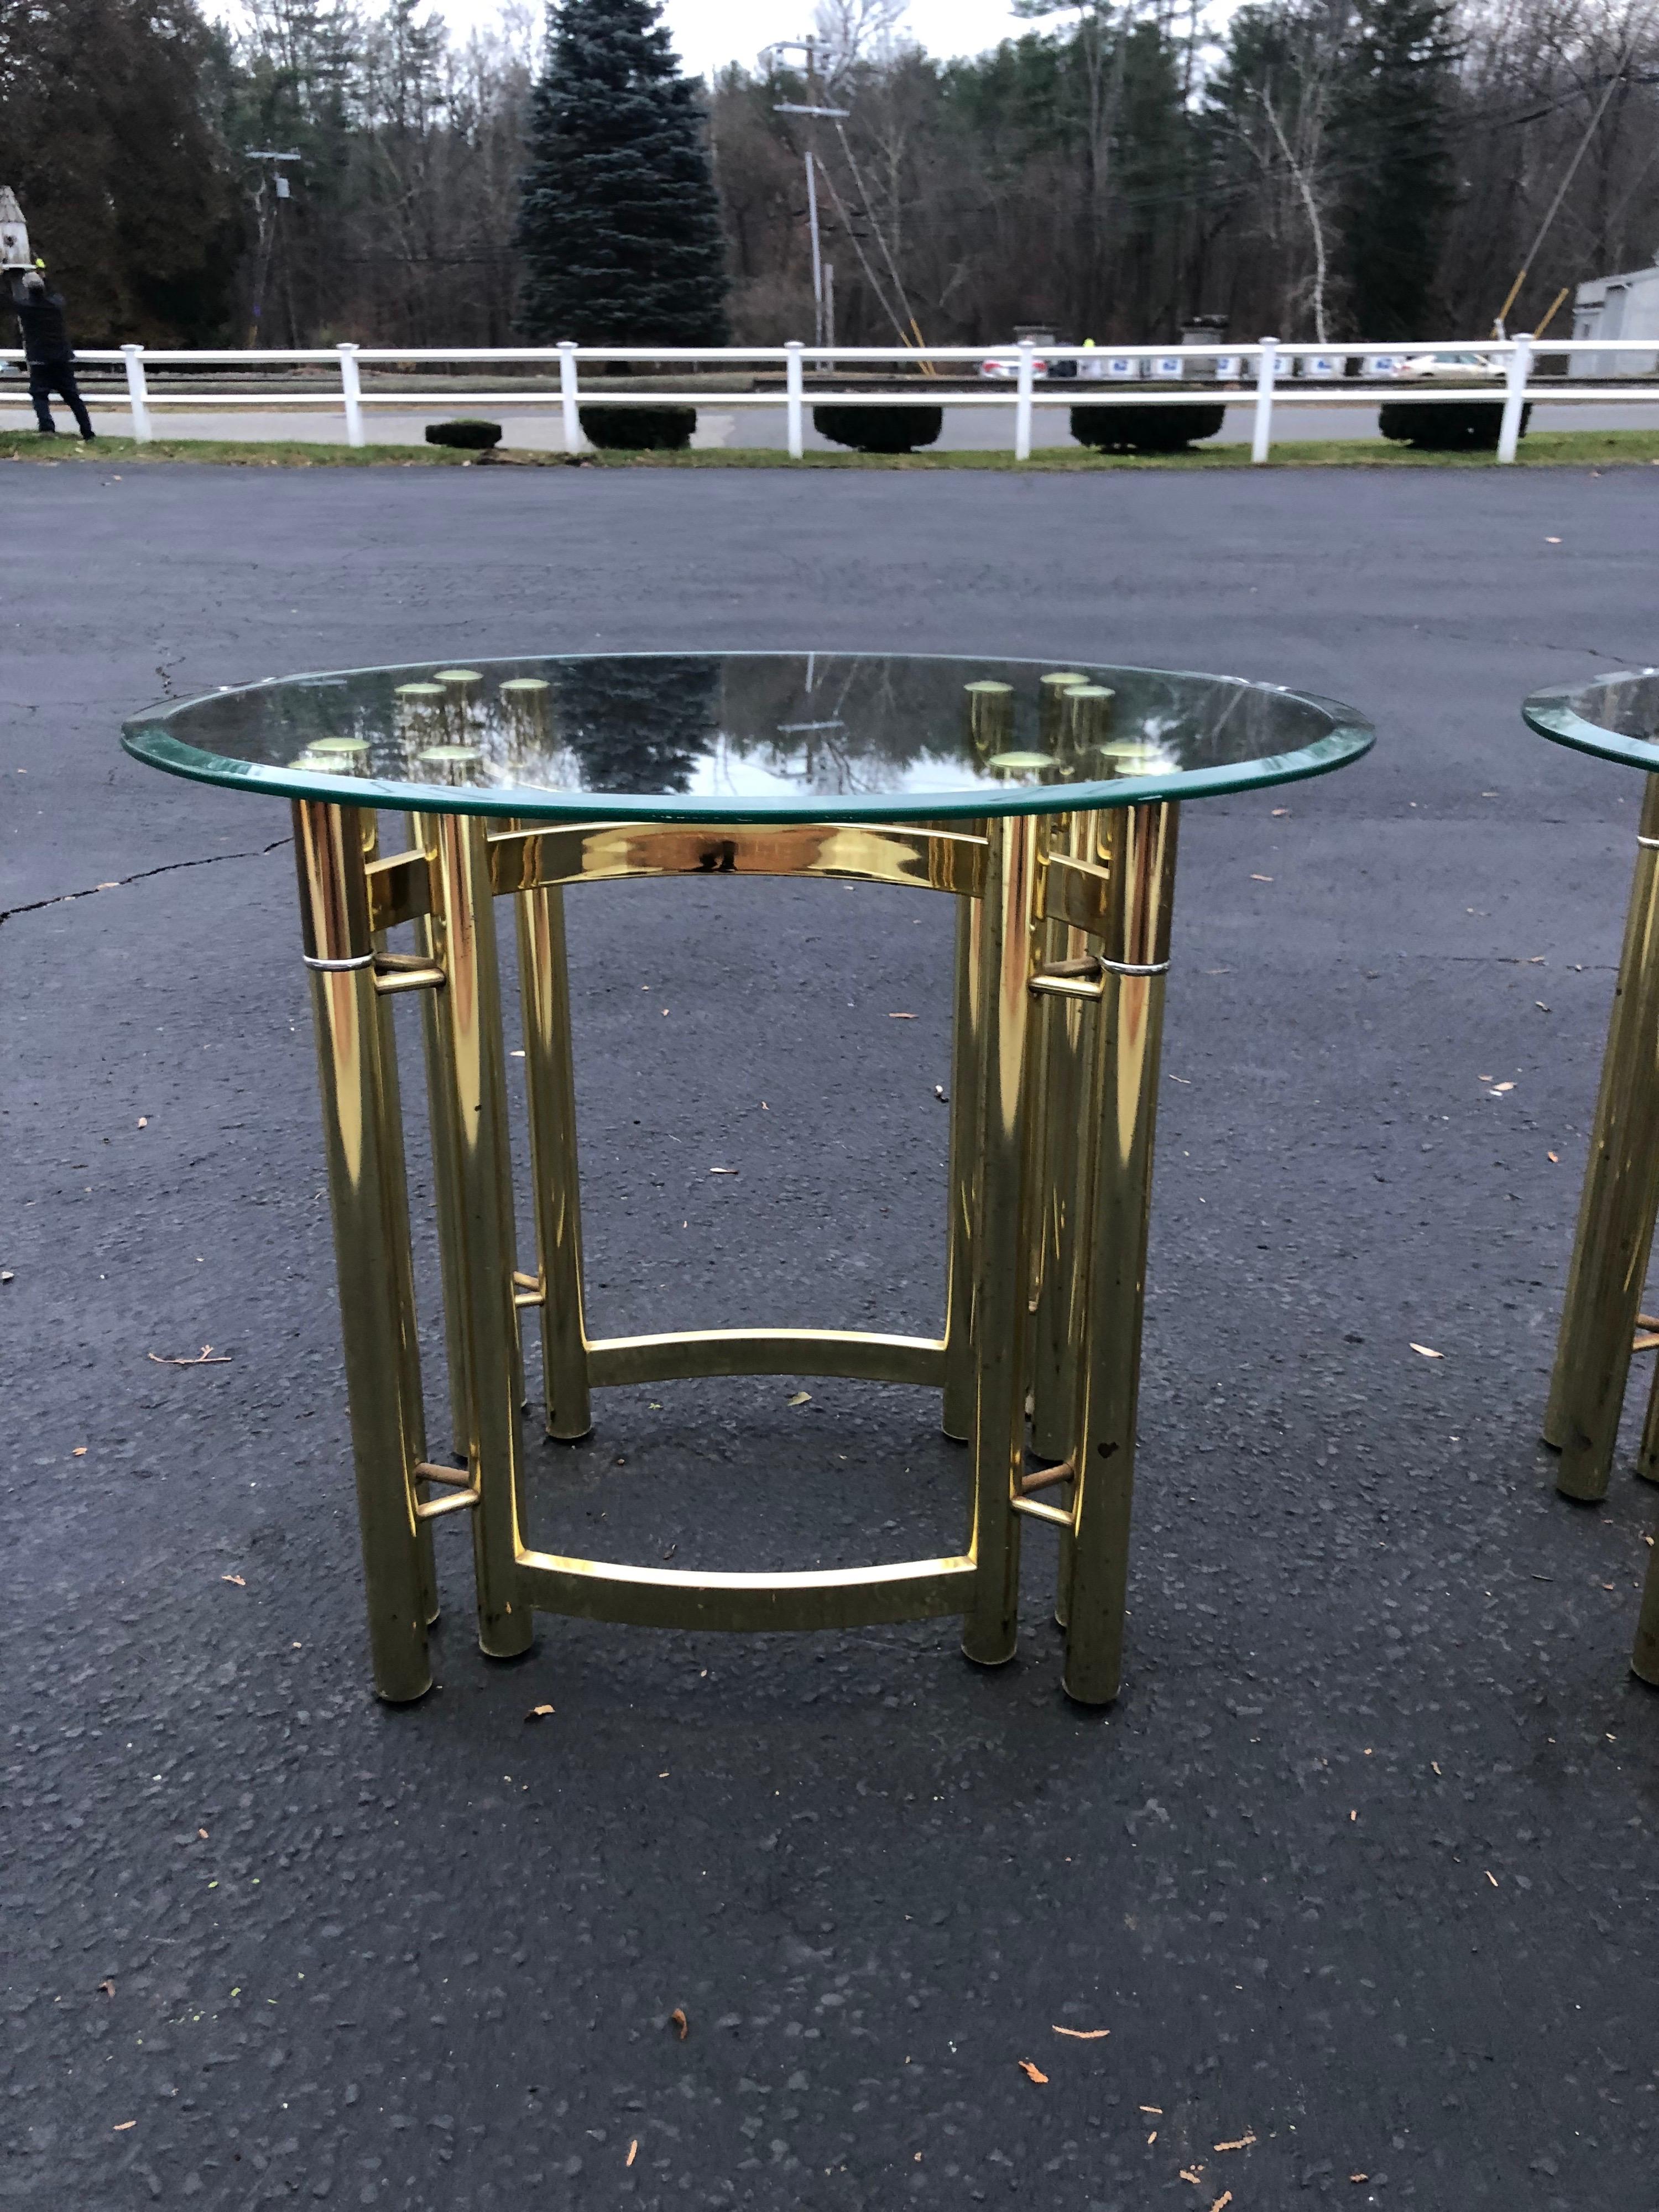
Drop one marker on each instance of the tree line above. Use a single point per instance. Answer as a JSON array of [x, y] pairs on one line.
[[1320, 168]]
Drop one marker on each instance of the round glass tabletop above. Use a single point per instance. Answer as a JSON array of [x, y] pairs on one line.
[[738, 736], [1615, 716]]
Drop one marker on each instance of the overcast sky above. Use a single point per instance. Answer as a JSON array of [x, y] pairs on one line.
[[709, 32]]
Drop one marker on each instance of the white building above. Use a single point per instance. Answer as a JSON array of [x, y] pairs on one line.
[[1617, 307]]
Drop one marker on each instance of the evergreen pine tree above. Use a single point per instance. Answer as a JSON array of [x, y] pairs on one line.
[[619, 225], [1392, 137]]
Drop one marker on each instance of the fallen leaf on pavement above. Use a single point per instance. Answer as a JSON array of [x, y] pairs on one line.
[[1261, 880], [1084, 2034], [1554, 1155], [1359, 2177], [107, 1989], [725, 1171], [79, 1452], [801, 1398], [900, 1017], [1031, 2072], [538, 1712], [121, 2126], [1498, 1089], [1428, 1351], [241, 1581], [681, 2024]]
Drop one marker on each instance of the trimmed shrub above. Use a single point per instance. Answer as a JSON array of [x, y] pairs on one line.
[[638, 429], [1447, 426], [472, 436], [879, 429], [1148, 429]]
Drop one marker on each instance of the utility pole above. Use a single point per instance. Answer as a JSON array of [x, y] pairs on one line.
[[267, 229], [824, 312]]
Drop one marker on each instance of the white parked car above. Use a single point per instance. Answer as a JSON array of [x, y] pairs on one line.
[[1446, 367]]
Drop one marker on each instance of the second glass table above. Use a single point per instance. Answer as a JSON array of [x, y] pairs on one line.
[[1043, 799]]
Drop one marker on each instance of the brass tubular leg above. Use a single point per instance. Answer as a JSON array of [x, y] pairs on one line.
[[1060, 1043], [550, 1089], [363, 1141], [1616, 1212], [1645, 1659], [1122, 1120], [1647, 1456], [967, 1078], [1002, 1240], [470, 1009], [414, 1397], [446, 1183]]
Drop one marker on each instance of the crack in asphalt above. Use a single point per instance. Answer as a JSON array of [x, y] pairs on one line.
[[167, 868]]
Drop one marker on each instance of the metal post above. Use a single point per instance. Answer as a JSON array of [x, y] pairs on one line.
[[378, 1324], [1002, 1241], [1120, 1126], [792, 389], [817, 253], [1620, 1199], [551, 1093], [351, 392], [1515, 395], [137, 392], [1266, 370], [470, 1007], [1022, 400], [570, 401]]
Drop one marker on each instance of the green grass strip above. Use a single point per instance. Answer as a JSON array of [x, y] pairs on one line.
[[1549, 449]]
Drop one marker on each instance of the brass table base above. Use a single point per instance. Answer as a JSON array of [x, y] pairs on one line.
[[1062, 945], [1615, 1235]]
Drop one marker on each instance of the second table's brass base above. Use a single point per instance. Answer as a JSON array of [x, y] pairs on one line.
[[1062, 947], [1615, 1235]]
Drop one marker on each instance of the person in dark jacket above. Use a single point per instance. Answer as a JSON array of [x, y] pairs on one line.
[[49, 354]]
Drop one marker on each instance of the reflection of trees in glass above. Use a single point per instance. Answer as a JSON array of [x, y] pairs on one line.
[[637, 725], [830, 724]]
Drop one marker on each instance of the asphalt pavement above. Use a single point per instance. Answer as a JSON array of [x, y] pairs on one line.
[[1358, 1877]]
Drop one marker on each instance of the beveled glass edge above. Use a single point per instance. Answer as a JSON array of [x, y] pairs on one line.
[[1547, 714], [146, 739]]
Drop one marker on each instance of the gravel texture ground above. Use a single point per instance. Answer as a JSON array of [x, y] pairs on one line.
[[1359, 1873]]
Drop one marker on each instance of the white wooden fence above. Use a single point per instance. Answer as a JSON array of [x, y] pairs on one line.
[[1269, 376]]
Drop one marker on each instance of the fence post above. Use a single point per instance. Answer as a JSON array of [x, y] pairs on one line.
[[792, 389], [137, 392], [1022, 400], [1515, 396], [352, 392], [1266, 370], [568, 396]]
